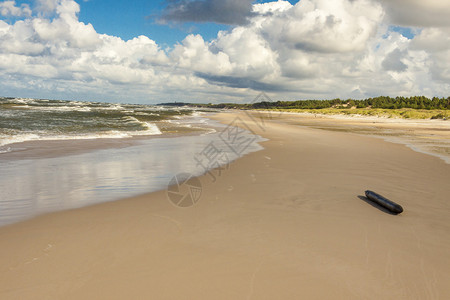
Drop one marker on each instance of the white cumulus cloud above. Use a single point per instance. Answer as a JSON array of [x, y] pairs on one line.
[[10, 8]]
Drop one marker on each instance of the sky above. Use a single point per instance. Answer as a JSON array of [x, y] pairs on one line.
[[214, 51]]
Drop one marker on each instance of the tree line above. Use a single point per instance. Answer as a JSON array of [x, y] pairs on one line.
[[385, 102]]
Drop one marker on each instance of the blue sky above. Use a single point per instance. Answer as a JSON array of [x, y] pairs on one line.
[[158, 51], [129, 19]]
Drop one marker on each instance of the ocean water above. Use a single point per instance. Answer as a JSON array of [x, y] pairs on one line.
[[30, 187], [32, 119]]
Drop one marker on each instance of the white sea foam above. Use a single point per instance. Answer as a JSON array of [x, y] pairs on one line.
[[56, 108], [113, 107], [145, 114], [5, 150], [130, 119], [23, 100], [196, 121], [150, 129], [18, 138]]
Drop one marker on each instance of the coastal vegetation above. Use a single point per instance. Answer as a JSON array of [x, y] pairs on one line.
[[417, 107]]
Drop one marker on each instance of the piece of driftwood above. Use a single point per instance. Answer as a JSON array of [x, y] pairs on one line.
[[386, 203]]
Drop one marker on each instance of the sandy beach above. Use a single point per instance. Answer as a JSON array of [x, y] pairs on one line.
[[287, 222]]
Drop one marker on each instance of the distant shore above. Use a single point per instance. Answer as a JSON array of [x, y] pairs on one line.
[[288, 222], [416, 107]]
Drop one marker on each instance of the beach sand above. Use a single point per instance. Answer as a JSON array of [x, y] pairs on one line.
[[287, 222]]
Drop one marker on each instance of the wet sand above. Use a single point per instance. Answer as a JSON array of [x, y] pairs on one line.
[[426, 136], [287, 222]]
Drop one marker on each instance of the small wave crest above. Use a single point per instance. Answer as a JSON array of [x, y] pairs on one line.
[[18, 138], [152, 129], [57, 108], [149, 129], [5, 149]]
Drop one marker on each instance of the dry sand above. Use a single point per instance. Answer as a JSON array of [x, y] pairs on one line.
[[287, 222]]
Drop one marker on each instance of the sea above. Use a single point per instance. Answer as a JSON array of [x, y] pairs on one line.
[[153, 144], [34, 119]]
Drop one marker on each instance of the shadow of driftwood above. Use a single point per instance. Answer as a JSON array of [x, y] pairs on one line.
[[365, 199]]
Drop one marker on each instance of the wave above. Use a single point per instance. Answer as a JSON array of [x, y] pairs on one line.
[[152, 129], [56, 108], [17, 138], [5, 150], [25, 119], [149, 129]]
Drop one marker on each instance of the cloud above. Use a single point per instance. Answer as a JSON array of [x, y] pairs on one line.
[[324, 49], [393, 61], [9, 8], [68, 53], [218, 11], [47, 6], [435, 43], [418, 13], [324, 26], [240, 82], [313, 49]]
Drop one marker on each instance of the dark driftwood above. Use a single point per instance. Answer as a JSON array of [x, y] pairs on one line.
[[386, 203]]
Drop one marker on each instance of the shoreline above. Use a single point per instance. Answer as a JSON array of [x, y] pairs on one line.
[[60, 148], [431, 137], [57, 175], [48, 148], [284, 222]]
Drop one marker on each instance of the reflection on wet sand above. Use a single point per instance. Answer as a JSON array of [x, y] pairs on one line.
[[38, 185]]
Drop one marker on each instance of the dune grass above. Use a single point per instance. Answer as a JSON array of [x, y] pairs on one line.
[[403, 113]]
